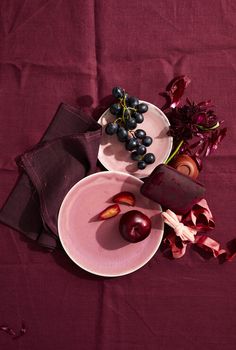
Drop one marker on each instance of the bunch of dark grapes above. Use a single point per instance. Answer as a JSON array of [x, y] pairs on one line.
[[128, 113]]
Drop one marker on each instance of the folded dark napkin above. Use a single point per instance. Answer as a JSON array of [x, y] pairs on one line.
[[66, 154]]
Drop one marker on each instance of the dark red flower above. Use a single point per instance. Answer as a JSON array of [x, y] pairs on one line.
[[197, 125]]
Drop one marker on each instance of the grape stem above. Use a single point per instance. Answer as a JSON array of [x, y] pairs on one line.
[[123, 115], [174, 153], [125, 108]]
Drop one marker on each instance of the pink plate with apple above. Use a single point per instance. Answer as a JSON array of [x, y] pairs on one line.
[[113, 155], [96, 245]]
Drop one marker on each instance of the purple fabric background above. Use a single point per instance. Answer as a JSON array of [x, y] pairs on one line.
[[75, 52]]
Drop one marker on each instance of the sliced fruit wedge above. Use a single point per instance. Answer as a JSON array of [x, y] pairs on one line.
[[124, 198], [109, 212]]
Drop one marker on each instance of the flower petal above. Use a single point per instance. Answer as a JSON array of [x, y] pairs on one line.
[[175, 90]]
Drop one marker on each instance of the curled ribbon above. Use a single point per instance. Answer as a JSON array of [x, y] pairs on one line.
[[208, 243], [199, 217], [184, 232], [185, 229], [231, 249], [177, 250]]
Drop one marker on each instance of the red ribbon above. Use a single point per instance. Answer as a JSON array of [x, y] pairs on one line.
[[177, 250], [210, 244], [186, 233], [199, 219]]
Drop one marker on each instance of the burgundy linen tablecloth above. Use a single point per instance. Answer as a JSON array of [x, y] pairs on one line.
[[76, 51]]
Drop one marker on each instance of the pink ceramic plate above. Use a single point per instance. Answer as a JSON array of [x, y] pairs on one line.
[[97, 246], [113, 155]]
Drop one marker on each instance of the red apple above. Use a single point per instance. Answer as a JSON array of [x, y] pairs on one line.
[[134, 226]]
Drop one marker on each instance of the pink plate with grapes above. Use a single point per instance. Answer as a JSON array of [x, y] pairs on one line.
[[113, 155], [96, 245]]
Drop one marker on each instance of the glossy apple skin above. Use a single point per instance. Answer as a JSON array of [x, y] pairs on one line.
[[134, 226]]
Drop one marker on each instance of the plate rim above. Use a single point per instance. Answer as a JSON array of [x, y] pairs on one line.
[[170, 137], [60, 219]]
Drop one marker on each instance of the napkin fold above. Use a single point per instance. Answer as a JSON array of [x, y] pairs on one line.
[[66, 154]]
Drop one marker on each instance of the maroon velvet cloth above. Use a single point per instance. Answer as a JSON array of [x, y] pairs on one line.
[[76, 51]]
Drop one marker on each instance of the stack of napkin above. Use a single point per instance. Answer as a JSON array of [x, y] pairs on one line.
[[67, 153]]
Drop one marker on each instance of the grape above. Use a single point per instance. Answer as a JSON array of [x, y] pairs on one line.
[[128, 112], [149, 158], [147, 141], [111, 128], [131, 124], [140, 133], [142, 108], [135, 156], [120, 113], [122, 134], [141, 150], [138, 117], [115, 108], [141, 165], [131, 144], [118, 92], [139, 142], [132, 101]]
